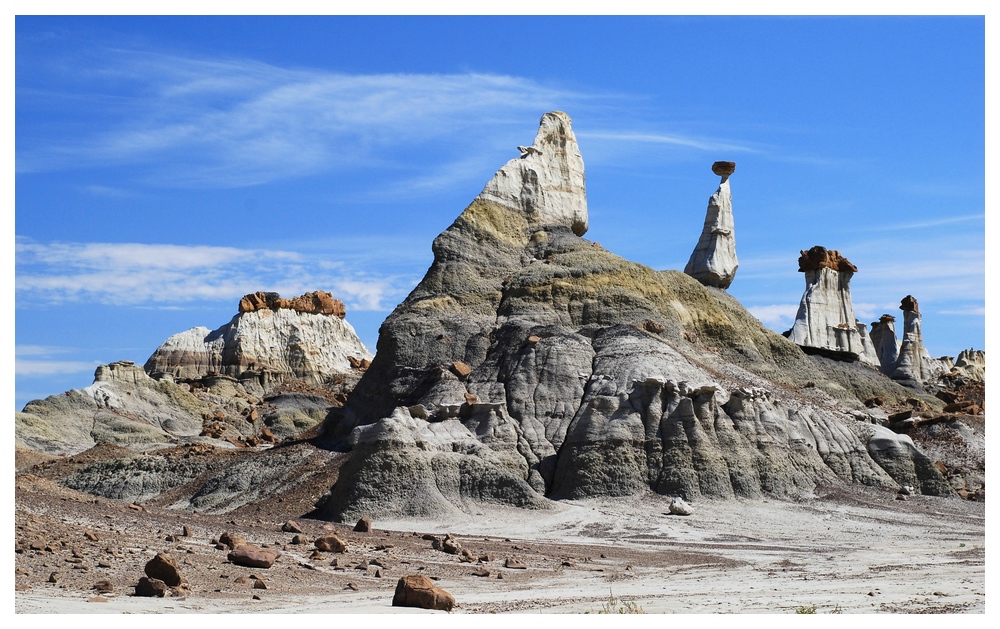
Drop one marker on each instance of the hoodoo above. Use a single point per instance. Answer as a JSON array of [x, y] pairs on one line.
[[825, 322], [713, 262]]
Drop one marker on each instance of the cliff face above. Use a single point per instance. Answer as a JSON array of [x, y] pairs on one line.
[[530, 363], [305, 338]]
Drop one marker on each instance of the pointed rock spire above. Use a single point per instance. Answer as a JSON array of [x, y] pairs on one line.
[[713, 262], [546, 182]]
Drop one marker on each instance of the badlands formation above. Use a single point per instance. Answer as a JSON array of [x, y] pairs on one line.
[[534, 385]]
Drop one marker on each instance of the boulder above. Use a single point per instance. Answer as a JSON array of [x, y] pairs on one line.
[[679, 507], [330, 543], [419, 591], [714, 262], [364, 524], [163, 567], [253, 557], [151, 587], [232, 540]]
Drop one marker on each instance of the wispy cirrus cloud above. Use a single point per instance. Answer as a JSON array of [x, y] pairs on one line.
[[209, 123], [136, 274], [703, 144]]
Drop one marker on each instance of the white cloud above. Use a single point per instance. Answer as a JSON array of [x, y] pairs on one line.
[[52, 367], [204, 123], [973, 311], [776, 315], [138, 274], [704, 144]]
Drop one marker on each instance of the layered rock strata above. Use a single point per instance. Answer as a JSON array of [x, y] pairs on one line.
[[714, 262], [531, 364], [306, 338], [825, 321]]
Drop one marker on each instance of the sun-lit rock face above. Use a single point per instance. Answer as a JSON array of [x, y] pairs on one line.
[[546, 183], [306, 338], [530, 364], [714, 262], [825, 321]]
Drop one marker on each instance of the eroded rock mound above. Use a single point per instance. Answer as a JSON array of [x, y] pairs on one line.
[[271, 339], [583, 374], [123, 406]]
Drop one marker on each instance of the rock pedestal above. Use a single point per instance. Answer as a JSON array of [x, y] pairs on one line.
[[713, 262], [883, 336], [825, 320], [914, 365]]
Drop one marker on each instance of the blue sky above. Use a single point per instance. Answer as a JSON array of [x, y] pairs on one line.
[[165, 166]]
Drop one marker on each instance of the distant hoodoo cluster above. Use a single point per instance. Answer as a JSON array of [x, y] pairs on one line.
[[713, 262]]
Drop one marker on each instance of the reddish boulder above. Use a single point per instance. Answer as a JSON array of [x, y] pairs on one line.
[[253, 557], [163, 567], [232, 541], [419, 591], [330, 543], [150, 587], [364, 525]]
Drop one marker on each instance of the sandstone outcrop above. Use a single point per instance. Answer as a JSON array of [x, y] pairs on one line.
[[587, 375], [316, 302], [971, 364], [825, 322], [883, 336], [714, 262], [546, 184], [270, 340]]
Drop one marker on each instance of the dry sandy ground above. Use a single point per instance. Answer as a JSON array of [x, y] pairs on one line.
[[860, 551]]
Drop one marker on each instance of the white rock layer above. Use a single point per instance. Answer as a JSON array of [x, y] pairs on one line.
[[546, 183], [308, 346], [714, 262], [825, 319]]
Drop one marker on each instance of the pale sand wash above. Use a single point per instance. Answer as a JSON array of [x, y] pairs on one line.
[[861, 552]]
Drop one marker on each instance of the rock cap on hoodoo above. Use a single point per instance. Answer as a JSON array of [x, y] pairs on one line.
[[819, 257], [908, 304], [724, 169], [316, 302]]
